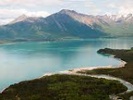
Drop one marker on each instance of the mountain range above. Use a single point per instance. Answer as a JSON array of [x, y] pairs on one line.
[[67, 24]]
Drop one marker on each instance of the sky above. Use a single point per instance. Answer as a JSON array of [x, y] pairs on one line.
[[10, 9]]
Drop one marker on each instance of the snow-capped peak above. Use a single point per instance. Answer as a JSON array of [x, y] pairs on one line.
[[120, 16]]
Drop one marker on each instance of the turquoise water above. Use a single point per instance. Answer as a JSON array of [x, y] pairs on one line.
[[24, 61]]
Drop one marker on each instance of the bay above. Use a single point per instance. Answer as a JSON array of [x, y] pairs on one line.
[[29, 60]]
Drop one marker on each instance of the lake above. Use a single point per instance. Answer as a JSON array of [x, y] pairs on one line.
[[29, 60]]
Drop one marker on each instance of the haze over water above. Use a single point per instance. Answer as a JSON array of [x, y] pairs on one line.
[[24, 61]]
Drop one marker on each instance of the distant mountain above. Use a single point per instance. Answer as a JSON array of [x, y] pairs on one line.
[[117, 26], [19, 19], [57, 26], [113, 25], [66, 24]]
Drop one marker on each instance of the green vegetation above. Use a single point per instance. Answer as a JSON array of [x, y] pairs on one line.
[[125, 73], [63, 87]]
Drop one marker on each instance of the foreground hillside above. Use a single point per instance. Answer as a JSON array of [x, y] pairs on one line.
[[125, 73], [63, 87]]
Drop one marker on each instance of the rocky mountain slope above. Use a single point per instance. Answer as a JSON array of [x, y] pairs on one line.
[[66, 24]]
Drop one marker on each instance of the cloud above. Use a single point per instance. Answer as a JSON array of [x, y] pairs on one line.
[[12, 13], [10, 9], [126, 7], [9, 14], [121, 7], [82, 6], [29, 2], [5, 21], [91, 7]]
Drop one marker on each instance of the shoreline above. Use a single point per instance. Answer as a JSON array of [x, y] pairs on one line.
[[122, 64], [108, 77], [75, 70]]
